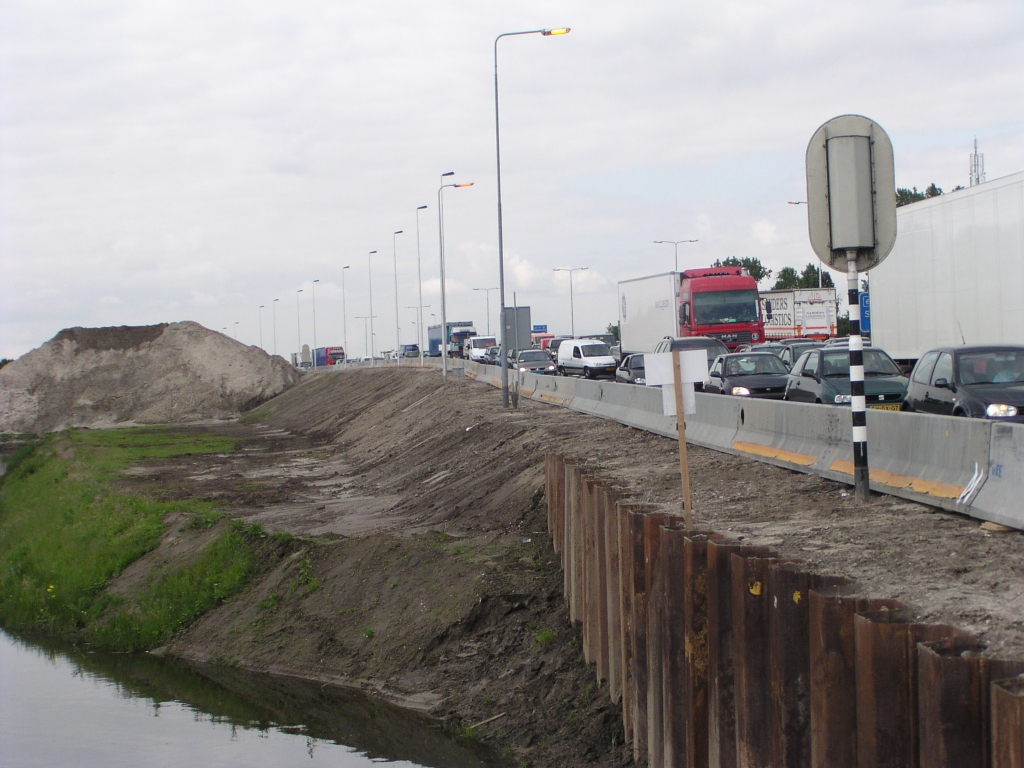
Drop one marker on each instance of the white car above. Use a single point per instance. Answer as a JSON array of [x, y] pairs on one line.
[[475, 348], [589, 358]]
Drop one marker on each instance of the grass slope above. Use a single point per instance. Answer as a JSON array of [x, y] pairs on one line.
[[66, 531]]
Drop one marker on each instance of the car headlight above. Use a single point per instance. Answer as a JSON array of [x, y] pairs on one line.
[[843, 399], [640, 380], [741, 391], [551, 367], [1000, 411], [522, 370]]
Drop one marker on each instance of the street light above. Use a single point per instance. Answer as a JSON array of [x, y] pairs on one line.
[[261, 325], [344, 314], [398, 324], [273, 314], [501, 245], [366, 343], [419, 280], [675, 246], [572, 314], [298, 322], [235, 330], [314, 324], [488, 292], [440, 230], [369, 275]]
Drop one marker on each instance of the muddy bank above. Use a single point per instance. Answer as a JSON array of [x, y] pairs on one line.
[[422, 568]]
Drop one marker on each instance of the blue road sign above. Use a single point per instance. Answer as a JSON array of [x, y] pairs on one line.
[[865, 312]]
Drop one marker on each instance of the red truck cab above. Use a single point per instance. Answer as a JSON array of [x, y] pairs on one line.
[[721, 302]]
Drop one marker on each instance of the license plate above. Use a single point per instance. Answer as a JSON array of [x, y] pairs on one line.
[[893, 407]]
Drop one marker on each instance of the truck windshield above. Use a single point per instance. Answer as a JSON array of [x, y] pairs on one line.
[[718, 307]]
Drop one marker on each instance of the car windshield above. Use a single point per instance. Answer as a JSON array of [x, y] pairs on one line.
[[999, 366], [596, 350], [534, 356], [754, 365], [876, 363], [716, 307]]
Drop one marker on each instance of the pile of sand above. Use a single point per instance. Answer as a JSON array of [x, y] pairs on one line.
[[154, 374]]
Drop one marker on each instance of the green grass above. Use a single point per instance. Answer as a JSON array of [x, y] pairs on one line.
[[66, 531]]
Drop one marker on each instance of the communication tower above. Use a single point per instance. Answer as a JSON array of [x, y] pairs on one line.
[[977, 166]]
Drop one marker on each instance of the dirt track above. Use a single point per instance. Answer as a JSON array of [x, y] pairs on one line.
[[426, 572]]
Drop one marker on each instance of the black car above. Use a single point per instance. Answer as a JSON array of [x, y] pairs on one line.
[[981, 382], [791, 351], [823, 376], [631, 369], [747, 374]]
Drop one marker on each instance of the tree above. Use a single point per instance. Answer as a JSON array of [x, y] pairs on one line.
[[613, 329], [757, 270], [4, 361], [786, 280], [809, 277], [906, 196]]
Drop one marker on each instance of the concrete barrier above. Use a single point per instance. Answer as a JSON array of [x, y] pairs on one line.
[[973, 466], [999, 497]]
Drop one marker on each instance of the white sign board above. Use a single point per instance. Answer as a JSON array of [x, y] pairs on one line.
[[851, 192], [693, 367]]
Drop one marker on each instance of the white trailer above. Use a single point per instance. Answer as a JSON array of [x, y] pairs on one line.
[[955, 274], [802, 312], [648, 311]]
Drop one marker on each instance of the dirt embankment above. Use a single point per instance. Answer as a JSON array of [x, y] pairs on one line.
[[424, 570], [156, 374]]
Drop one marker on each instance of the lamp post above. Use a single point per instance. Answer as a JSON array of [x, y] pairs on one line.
[[501, 244], [273, 314], [419, 281], [366, 338], [344, 314], [488, 292], [572, 311], [298, 322], [261, 325], [314, 323], [675, 246], [398, 323], [235, 330], [440, 229], [369, 277]]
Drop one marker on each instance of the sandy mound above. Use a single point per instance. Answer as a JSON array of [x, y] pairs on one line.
[[154, 374]]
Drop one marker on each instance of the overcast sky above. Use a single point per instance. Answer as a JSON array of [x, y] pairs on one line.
[[164, 161]]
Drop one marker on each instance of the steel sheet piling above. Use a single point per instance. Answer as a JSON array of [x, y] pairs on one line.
[[1008, 723], [588, 575], [721, 657], [955, 695], [833, 673], [612, 594], [695, 631], [653, 524], [601, 591], [887, 720], [751, 617], [639, 638]]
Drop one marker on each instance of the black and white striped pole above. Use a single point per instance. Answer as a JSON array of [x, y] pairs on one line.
[[857, 403], [851, 217]]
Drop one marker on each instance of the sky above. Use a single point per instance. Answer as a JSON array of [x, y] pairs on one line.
[[164, 161]]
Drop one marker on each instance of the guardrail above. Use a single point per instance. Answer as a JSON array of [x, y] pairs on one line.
[[726, 655], [972, 466]]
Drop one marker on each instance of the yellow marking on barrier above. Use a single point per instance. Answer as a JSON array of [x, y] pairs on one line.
[[755, 589], [792, 457], [797, 597], [893, 480], [553, 399]]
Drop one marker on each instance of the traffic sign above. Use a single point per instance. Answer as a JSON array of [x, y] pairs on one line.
[[865, 312], [851, 192]]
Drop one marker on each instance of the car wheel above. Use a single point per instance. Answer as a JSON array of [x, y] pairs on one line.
[[817, 401], [560, 371], [587, 373], [958, 412], [906, 408]]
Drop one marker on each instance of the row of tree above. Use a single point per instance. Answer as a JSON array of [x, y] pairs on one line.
[[787, 279]]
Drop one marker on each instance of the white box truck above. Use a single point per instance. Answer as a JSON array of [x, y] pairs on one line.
[[648, 311], [799, 313], [955, 274]]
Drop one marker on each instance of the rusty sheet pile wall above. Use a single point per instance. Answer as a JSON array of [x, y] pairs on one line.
[[726, 655]]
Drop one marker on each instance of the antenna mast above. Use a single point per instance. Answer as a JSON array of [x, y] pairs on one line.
[[977, 166]]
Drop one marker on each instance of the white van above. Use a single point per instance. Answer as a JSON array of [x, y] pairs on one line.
[[475, 348], [589, 358]]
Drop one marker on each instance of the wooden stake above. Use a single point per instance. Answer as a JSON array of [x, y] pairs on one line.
[[684, 468]]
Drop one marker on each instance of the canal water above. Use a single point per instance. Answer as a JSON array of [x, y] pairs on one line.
[[61, 706]]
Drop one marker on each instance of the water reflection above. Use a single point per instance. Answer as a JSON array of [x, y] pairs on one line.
[[61, 706]]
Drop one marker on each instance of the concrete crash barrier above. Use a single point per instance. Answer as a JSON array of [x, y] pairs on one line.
[[999, 496], [723, 654]]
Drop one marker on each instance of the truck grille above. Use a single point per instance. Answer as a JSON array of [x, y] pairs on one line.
[[738, 337]]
